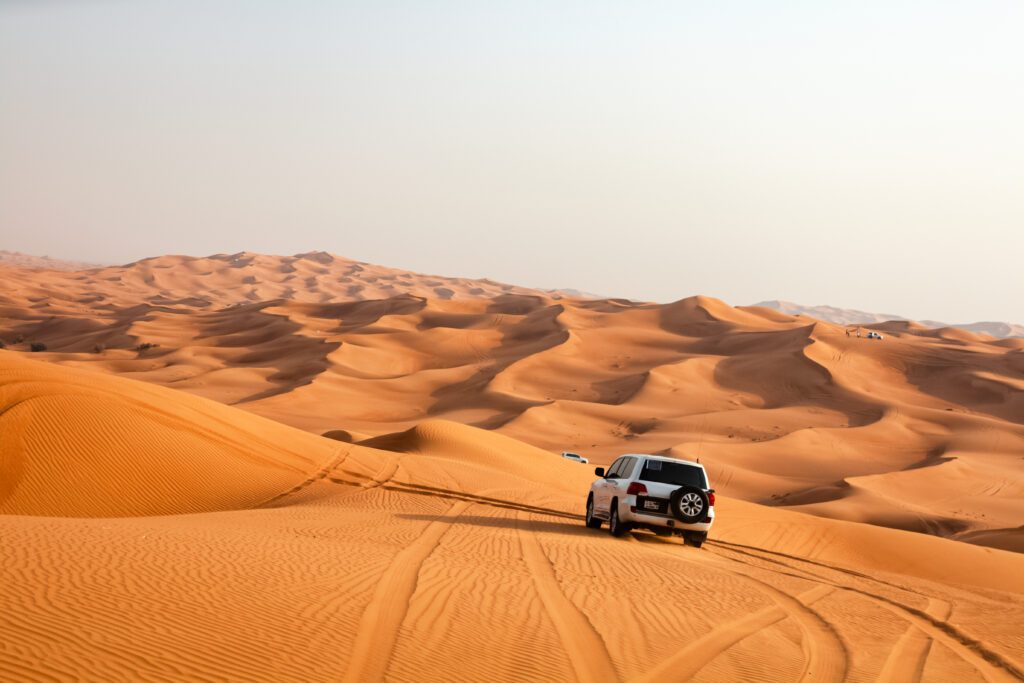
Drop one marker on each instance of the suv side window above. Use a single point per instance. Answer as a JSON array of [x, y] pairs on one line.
[[613, 472], [628, 464]]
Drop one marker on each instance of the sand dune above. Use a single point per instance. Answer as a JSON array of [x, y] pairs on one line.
[[441, 552], [81, 444], [923, 431]]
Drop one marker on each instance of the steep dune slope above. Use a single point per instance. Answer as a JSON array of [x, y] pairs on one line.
[[77, 443]]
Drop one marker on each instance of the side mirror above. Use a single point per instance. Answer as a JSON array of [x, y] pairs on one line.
[[599, 471]]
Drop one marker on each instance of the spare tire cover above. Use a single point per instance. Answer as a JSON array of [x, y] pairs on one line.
[[689, 504]]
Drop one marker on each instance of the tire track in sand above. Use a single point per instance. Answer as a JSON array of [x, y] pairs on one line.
[[382, 620], [317, 476], [697, 654], [993, 666], [383, 475], [584, 646], [907, 658], [825, 656]]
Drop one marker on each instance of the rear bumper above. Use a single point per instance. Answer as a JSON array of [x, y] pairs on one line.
[[641, 519]]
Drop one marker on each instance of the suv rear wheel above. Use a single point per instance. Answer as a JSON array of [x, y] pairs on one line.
[[615, 526], [592, 521], [695, 538]]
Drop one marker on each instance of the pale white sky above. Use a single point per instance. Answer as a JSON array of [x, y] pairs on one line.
[[859, 154]]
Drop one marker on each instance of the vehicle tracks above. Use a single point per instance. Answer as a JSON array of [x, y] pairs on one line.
[[993, 666], [382, 620], [584, 646], [317, 476], [383, 476], [687, 662], [825, 657], [907, 658]]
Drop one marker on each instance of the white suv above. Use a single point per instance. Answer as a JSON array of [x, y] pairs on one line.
[[575, 457], [664, 495]]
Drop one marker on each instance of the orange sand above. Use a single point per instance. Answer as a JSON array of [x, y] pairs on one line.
[[156, 534]]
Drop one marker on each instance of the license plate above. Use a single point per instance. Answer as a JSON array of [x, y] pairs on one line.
[[651, 505]]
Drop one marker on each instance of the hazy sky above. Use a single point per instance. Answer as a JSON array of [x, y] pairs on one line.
[[860, 154]]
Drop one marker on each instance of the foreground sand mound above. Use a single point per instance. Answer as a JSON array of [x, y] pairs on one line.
[[429, 563], [76, 443]]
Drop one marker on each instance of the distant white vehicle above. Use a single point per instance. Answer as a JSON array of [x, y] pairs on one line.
[[575, 457], [875, 335]]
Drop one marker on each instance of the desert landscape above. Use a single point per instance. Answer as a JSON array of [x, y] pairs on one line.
[[306, 468]]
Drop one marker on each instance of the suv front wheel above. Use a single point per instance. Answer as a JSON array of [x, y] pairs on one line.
[[615, 525]]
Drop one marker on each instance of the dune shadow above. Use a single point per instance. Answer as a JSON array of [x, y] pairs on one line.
[[537, 331], [775, 367], [983, 383]]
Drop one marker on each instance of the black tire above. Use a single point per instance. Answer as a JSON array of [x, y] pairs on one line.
[[695, 538], [592, 521], [615, 526], [689, 504]]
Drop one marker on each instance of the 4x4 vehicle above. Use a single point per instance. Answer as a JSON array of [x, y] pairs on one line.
[[665, 495], [575, 457]]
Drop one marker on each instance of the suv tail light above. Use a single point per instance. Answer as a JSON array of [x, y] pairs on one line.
[[711, 498], [635, 489]]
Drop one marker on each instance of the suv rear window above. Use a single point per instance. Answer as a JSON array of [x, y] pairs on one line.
[[664, 472]]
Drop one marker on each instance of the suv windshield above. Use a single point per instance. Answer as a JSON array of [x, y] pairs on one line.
[[664, 472]]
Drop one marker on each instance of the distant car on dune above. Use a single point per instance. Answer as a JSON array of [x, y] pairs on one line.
[[875, 335], [575, 457], [665, 495]]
